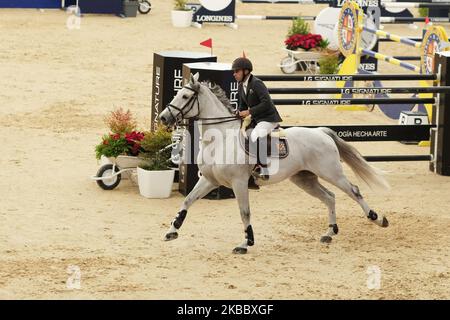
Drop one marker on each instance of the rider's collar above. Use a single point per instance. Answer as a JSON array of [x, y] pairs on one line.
[[245, 82]]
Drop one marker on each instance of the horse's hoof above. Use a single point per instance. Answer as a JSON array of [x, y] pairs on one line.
[[326, 239], [385, 223], [239, 250], [171, 236]]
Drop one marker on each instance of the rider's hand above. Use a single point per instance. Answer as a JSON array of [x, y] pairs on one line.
[[244, 113]]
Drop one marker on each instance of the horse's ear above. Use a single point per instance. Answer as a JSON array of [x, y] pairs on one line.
[[196, 76], [193, 81]]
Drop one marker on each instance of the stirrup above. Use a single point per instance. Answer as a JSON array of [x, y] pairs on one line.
[[261, 172]]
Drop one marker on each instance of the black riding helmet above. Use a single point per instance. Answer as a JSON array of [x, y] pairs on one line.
[[242, 63]]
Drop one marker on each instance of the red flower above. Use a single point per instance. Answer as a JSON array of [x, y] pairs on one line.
[[134, 136], [115, 136], [307, 41], [135, 149]]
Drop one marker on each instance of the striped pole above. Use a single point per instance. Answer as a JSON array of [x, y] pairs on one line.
[[408, 58], [393, 37], [356, 90], [409, 5], [386, 20], [411, 38], [256, 17], [388, 2], [280, 1], [389, 59], [414, 1], [349, 77], [413, 19], [351, 101]]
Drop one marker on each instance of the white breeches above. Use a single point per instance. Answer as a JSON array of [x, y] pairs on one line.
[[262, 129]]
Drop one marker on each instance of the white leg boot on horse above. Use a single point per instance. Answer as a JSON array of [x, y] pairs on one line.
[[201, 189], [241, 192]]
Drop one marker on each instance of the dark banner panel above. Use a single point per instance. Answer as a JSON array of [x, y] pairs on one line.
[[41, 4], [98, 6]]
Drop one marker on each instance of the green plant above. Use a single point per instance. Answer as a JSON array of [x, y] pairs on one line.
[[117, 144], [299, 26], [158, 162], [156, 154], [112, 145], [329, 64], [156, 140], [181, 5], [120, 121], [323, 44], [124, 139], [424, 12]]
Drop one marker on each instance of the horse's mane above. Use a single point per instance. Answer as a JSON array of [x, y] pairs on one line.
[[220, 94]]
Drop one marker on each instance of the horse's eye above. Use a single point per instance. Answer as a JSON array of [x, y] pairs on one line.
[[185, 96]]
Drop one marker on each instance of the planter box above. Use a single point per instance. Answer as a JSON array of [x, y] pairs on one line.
[[182, 19], [155, 184], [130, 8], [125, 161]]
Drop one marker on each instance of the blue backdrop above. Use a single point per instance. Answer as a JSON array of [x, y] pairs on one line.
[[98, 6], [30, 4], [87, 6]]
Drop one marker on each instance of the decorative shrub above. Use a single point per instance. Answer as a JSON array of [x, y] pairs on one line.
[[299, 26], [329, 64], [156, 154]]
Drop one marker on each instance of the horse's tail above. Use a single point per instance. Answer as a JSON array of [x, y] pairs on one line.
[[351, 156]]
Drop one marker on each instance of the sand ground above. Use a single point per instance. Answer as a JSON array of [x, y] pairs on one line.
[[56, 86]]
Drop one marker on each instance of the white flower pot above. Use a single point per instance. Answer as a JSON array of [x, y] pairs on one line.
[[155, 184], [182, 19]]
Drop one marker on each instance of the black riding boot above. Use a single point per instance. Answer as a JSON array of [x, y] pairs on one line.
[[251, 180], [252, 184], [261, 167]]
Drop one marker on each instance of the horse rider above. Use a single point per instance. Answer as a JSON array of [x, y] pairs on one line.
[[254, 100]]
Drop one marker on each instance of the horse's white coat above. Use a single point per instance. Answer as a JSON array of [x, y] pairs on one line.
[[313, 153]]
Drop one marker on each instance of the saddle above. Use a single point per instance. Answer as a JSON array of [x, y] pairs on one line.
[[281, 149]]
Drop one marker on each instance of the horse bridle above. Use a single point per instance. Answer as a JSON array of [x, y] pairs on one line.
[[190, 104]]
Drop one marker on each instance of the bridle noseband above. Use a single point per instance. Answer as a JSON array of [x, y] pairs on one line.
[[190, 105]]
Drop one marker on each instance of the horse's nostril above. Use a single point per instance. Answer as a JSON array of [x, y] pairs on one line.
[[163, 120]]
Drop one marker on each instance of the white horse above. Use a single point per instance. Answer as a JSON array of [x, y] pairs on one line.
[[313, 153]]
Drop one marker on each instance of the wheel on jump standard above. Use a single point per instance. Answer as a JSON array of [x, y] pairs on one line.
[[286, 65], [144, 7], [105, 172]]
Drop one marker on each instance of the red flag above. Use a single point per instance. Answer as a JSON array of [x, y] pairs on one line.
[[427, 20], [207, 43]]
